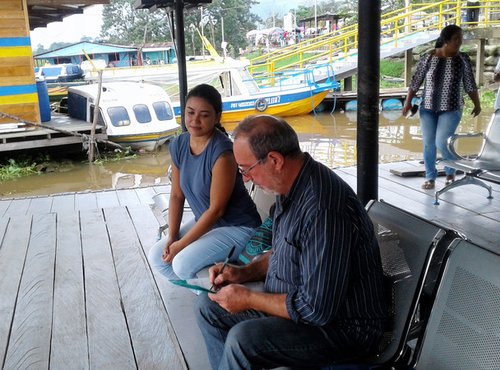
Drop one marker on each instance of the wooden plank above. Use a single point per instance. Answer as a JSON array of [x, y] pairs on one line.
[[13, 32], [18, 207], [178, 301], [162, 188], [467, 218], [29, 344], [145, 195], [4, 205], [6, 62], [63, 203], [463, 197], [107, 199], [18, 76], [128, 197], [145, 224], [11, 5], [147, 318], [69, 332], [108, 338], [85, 201], [14, 243], [40, 205]]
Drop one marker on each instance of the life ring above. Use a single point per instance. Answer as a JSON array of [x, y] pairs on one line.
[[261, 104]]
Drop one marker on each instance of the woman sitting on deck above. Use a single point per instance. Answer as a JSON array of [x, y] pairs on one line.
[[205, 173]]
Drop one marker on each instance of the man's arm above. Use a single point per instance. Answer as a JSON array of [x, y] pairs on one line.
[[235, 298], [232, 274]]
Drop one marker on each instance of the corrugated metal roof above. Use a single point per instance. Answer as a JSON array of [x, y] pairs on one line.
[[89, 47]]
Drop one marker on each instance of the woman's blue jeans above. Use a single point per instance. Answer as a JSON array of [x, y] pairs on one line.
[[251, 340], [210, 248], [437, 127]]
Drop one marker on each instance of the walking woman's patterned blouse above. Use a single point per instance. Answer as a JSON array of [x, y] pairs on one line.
[[444, 78]]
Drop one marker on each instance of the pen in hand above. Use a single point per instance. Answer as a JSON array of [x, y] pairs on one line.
[[231, 251]]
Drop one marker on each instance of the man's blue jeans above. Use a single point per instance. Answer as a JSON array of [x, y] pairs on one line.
[[208, 249], [253, 340], [437, 127]]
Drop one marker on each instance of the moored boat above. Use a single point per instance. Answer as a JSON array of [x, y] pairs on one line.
[[135, 114], [288, 94]]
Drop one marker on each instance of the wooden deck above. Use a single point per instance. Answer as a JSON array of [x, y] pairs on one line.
[[31, 138], [76, 290]]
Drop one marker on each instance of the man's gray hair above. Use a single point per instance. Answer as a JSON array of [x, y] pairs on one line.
[[266, 134]]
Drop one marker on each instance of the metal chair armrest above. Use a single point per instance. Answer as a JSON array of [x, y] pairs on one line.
[[454, 138]]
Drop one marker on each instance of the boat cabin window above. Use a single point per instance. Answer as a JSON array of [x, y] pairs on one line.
[[163, 111], [100, 120], [119, 116], [142, 114]]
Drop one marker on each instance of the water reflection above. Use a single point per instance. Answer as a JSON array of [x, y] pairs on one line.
[[330, 139]]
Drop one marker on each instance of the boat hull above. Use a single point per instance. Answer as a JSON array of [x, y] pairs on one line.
[[277, 104], [145, 141]]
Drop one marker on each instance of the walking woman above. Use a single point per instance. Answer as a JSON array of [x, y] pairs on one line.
[[446, 72], [205, 173]]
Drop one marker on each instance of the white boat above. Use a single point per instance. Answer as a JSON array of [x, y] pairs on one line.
[[135, 114]]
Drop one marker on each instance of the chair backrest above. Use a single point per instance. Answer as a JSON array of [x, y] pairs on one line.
[[263, 202], [463, 330], [490, 150], [407, 244]]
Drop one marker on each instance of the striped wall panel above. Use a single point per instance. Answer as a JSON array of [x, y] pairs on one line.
[[18, 93]]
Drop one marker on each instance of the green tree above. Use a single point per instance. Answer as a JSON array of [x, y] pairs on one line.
[[236, 16], [123, 24]]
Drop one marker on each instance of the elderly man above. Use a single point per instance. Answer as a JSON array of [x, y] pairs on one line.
[[322, 300]]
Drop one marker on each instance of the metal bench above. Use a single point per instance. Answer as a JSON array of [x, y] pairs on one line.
[[463, 331], [409, 246], [485, 166]]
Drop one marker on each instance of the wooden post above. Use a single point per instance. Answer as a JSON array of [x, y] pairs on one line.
[[480, 62], [408, 65], [96, 116]]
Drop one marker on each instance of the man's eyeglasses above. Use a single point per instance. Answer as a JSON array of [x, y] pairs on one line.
[[247, 171]]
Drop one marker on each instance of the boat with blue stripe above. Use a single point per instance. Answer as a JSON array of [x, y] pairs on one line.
[[286, 94]]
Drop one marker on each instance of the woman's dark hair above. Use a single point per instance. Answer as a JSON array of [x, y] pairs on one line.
[[447, 34], [211, 96]]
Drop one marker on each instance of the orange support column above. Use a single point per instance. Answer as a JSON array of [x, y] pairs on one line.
[[18, 91]]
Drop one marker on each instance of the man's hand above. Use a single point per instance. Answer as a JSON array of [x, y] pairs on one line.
[[233, 298], [231, 274]]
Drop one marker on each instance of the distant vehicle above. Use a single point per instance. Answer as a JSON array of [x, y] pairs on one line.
[[59, 72]]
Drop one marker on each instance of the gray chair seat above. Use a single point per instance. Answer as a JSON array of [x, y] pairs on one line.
[[484, 166]]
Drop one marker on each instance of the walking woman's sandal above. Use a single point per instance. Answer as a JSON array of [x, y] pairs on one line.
[[428, 185]]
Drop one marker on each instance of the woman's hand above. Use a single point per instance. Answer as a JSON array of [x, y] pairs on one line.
[[406, 108], [476, 110], [166, 250], [171, 251]]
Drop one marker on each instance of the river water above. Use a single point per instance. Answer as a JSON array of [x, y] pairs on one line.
[[331, 139]]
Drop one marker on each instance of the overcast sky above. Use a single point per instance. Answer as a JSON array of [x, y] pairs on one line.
[[73, 28]]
